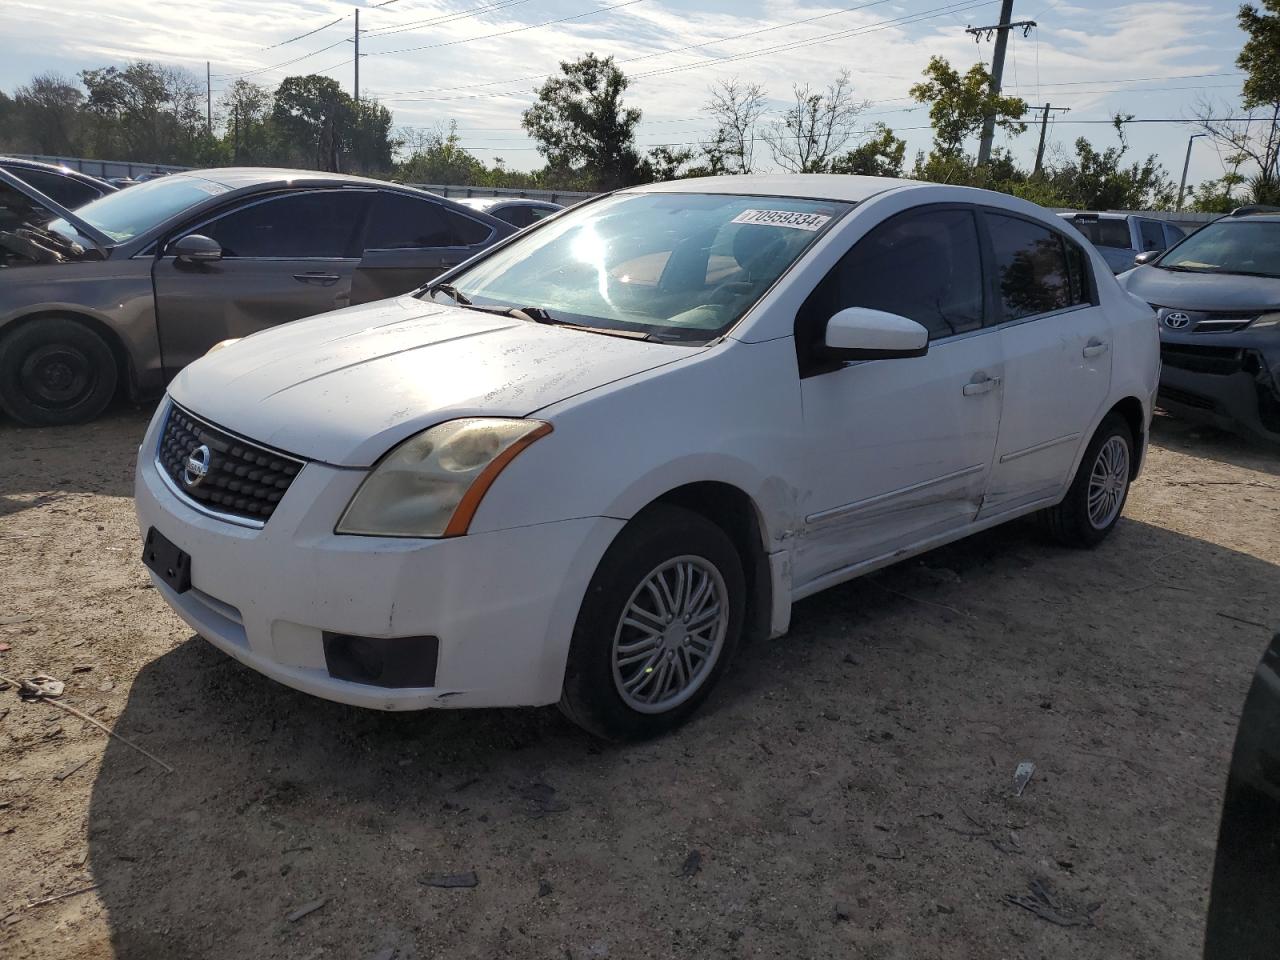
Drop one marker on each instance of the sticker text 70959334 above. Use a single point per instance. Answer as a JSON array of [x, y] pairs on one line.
[[783, 218]]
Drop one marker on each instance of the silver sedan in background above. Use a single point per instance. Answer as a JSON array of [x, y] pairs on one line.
[[130, 288], [516, 211]]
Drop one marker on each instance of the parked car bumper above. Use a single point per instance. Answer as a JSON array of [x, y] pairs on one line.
[[496, 610], [1233, 389]]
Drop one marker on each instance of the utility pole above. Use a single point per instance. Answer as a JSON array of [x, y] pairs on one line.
[[1001, 32], [208, 102], [1044, 124], [356, 92], [1182, 185]]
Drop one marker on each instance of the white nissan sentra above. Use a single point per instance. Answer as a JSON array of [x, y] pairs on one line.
[[583, 466]]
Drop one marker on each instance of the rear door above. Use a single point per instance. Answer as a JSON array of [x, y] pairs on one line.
[[1056, 343], [410, 240], [284, 257]]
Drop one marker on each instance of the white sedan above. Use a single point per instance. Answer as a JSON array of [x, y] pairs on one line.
[[583, 466]]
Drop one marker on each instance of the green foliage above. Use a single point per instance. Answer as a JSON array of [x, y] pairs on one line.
[[439, 157], [1215, 196], [959, 102], [580, 124], [880, 156], [1260, 56]]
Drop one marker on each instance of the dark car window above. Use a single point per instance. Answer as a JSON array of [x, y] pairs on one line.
[[1081, 289], [924, 266], [468, 232], [1246, 246], [1174, 234], [1152, 235], [540, 213], [68, 191], [1104, 233], [516, 216], [1031, 267], [292, 227], [400, 222]]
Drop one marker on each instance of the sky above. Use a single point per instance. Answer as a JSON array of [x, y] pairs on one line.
[[477, 62]]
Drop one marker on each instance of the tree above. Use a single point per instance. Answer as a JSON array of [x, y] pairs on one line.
[[736, 108], [437, 156], [314, 115], [581, 125], [814, 128], [50, 110], [1098, 180], [665, 163], [146, 111], [958, 104], [1256, 140], [879, 156], [245, 108]]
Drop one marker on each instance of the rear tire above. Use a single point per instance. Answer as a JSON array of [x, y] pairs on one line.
[[658, 626], [1097, 496], [55, 371]]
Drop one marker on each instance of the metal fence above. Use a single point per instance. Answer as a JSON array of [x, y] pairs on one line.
[[102, 168], [453, 190]]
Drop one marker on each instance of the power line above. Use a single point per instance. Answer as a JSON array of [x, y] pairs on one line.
[[304, 35], [277, 66], [445, 18], [504, 33]]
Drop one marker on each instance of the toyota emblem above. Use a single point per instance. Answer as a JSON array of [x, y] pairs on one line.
[[1176, 321], [196, 467]]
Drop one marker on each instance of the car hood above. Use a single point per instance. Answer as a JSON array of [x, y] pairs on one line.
[[345, 387], [1222, 292]]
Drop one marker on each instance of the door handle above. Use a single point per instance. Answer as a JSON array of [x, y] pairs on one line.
[[1095, 348], [323, 279], [980, 384]]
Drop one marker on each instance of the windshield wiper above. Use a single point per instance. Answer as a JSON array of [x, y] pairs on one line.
[[450, 290], [1178, 268]]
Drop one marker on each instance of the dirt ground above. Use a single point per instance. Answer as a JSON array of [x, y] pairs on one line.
[[848, 790]]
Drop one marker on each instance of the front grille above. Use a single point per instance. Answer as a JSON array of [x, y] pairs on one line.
[[1223, 322], [244, 479], [1202, 359]]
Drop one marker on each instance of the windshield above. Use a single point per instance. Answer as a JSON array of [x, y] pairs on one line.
[[676, 266], [134, 210], [1229, 246]]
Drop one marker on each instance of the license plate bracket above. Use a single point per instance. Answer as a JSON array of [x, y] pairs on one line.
[[167, 561]]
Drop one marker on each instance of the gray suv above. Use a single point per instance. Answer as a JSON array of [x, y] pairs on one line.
[[130, 288], [1121, 237]]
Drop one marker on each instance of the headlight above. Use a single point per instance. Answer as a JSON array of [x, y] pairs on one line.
[[1266, 321], [431, 485]]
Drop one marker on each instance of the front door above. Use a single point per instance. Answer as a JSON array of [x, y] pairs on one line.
[[899, 450], [283, 258], [1057, 348]]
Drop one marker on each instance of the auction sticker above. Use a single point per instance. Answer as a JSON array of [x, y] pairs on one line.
[[783, 218]]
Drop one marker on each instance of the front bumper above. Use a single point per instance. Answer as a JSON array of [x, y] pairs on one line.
[[503, 604], [1227, 384]]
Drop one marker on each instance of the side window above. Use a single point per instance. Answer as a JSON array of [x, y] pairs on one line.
[[516, 216], [1081, 289], [466, 231], [291, 227], [924, 266], [538, 213], [69, 192], [1031, 267], [1152, 235], [400, 222], [1173, 234]]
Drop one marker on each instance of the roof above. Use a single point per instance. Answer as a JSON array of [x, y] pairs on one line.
[[26, 164], [824, 186], [238, 177]]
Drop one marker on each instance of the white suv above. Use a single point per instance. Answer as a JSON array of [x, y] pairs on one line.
[[581, 467]]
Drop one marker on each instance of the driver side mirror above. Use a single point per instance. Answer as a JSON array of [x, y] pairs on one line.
[[859, 333], [1146, 257], [194, 248]]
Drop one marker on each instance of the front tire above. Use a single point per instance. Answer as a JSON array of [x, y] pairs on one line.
[[55, 371], [1093, 504], [658, 626]]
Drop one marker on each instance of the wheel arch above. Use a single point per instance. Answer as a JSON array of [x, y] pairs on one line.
[[119, 352], [1130, 410], [735, 512]]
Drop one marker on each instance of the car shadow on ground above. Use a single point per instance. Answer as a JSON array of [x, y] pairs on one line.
[[1211, 443], [39, 465], [847, 763]]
